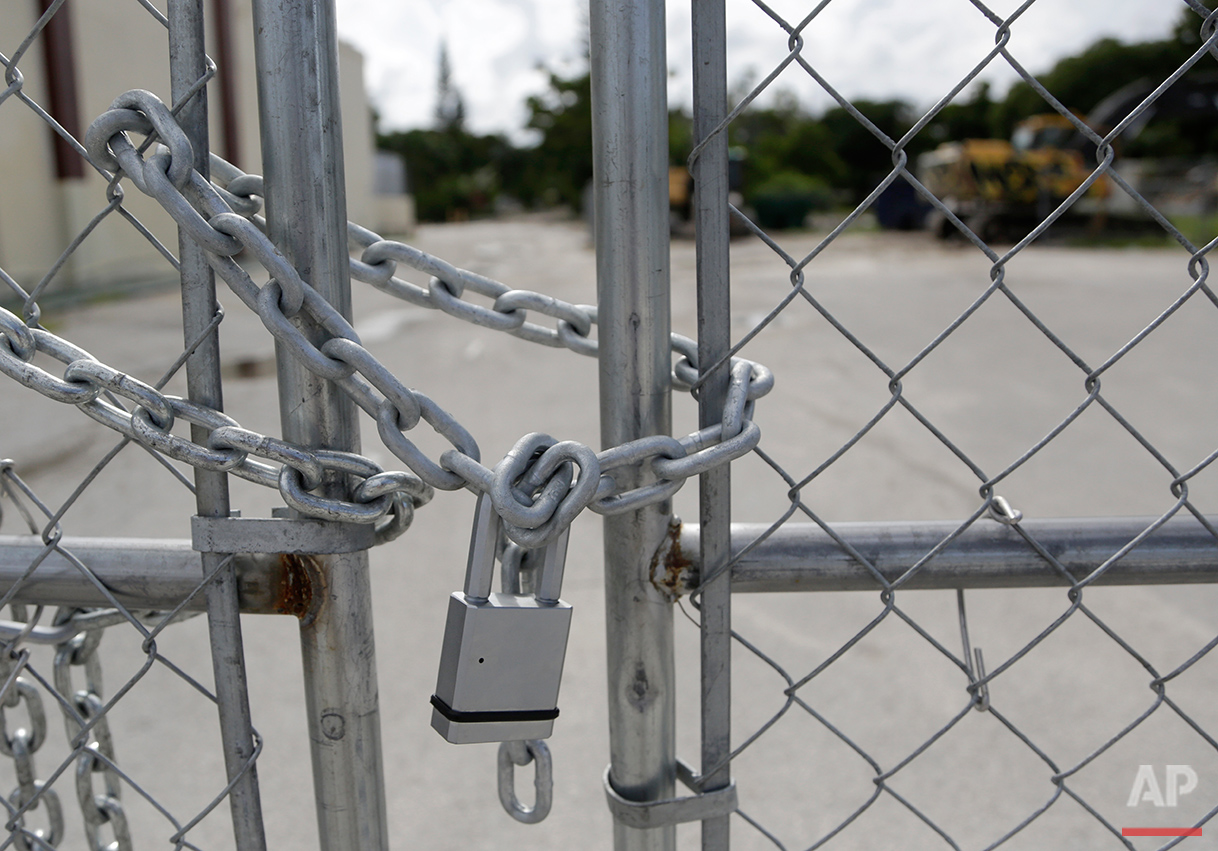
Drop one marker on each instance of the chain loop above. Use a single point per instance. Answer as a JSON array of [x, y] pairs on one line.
[[219, 459], [611, 500], [278, 323], [512, 754], [33, 735], [304, 462], [444, 424], [19, 368], [89, 734], [291, 294], [404, 402], [18, 337], [172, 135], [31, 794], [98, 374], [295, 492]]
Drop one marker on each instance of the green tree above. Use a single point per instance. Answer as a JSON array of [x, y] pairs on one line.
[[866, 158], [450, 106], [1080, 82], [559, 166], [783, 138], [454, 174], [972, 119]]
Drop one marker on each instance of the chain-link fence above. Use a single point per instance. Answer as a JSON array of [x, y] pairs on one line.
[[77, 600], [954, 396], [963, 676], [145, 152]]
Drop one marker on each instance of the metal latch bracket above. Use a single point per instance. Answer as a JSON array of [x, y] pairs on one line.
[[648, 814], [278, 535]]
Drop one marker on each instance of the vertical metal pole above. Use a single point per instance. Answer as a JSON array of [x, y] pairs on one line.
[[711, 218], [187, 65], [296, 54], [630, 157]]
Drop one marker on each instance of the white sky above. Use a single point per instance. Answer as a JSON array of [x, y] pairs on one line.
[[913, 49]]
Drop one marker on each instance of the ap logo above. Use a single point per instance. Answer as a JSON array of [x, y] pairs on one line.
[[1178, 780]]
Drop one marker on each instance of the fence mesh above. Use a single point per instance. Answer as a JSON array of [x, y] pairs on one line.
[[918, 382], [83, 742], [1070, 384]]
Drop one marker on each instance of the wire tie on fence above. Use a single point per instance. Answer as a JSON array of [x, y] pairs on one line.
[[976, 672], [6, 465], [984, 703], [1002, 511]]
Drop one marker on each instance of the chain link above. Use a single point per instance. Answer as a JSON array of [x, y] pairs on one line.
[[20, 745], [377, 266], [229, 447], [538, 488], [512, 754], [88, 732]]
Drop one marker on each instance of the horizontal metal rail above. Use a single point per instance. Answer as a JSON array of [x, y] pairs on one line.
[[803, 557], [148, 573]]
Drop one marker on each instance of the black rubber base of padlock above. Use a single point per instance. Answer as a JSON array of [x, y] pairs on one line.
[[462, 728], [496, 717]]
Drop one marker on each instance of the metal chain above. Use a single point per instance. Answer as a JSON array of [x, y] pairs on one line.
[[89, 733], [535, 488], [673, 460], [508, 311], [388, 499], [512, 754], [21, 744]]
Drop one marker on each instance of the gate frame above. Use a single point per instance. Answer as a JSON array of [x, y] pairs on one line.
[[296, 60], [630, 160]]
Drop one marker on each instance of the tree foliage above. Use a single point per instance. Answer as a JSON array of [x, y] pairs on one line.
[[454, 172], [560, 165]]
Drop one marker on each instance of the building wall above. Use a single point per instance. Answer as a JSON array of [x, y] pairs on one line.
[[119, 46]]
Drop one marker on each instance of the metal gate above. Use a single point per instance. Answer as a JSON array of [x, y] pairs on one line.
[[883, 724], [894, 476]]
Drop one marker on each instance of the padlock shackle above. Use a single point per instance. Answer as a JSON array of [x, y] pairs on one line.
[[484, 540], [480, 569], [554, 559]]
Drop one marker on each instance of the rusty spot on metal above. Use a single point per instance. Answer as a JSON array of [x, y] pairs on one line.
[[671, 569], [294, 596]]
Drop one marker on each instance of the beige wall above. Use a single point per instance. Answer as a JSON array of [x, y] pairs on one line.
[[120, 47]]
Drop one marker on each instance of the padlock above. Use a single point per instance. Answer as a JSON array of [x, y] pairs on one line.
[[502, 657]]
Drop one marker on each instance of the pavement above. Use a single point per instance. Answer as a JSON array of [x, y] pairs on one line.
[[996, 386]]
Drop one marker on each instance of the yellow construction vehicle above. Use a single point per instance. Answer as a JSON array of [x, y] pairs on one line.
[[993, 185], [1006, 188]]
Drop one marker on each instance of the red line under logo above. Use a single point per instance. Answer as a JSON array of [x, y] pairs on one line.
[[1160, 831]]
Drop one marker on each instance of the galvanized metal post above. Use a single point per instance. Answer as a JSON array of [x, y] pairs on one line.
[[712, 224], [296, 54], [188, 64], [630, 132]]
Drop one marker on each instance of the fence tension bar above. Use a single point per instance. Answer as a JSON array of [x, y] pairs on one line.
[[712, 224], [187, 65]]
